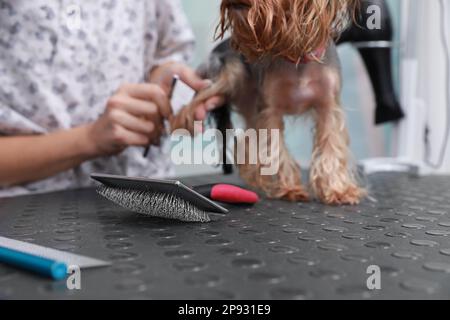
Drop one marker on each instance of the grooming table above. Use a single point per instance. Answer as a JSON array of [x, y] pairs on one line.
[[275, 250]]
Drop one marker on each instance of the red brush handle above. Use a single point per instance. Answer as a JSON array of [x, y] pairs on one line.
[[227, 193]]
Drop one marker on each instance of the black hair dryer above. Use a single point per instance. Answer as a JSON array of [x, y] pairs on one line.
[[373, 39]]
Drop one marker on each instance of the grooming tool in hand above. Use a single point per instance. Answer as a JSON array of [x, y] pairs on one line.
[[158, 198], [180, 96], [41, 260]]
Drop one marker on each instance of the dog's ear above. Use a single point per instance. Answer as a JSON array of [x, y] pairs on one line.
[[312, 23], [284, 28], [255, 28], [224, 23]]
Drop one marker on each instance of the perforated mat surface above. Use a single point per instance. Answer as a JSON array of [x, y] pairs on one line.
[[275, 250]]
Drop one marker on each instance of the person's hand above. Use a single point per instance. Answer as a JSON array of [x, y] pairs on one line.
[[134, 116], [163, 76]]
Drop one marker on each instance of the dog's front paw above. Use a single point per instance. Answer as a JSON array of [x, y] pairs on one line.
[[351, 195], [294, 194]]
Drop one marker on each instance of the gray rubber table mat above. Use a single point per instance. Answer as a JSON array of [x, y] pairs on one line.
[[275, 250]]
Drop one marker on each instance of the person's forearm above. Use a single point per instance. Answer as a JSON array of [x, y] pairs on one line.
[[32, 158]]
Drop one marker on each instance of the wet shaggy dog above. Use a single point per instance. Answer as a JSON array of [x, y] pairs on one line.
[[281, 60]]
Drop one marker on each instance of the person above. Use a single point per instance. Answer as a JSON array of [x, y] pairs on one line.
[[85, 88]]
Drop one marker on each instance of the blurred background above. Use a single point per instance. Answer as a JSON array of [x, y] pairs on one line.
[[367, 140]]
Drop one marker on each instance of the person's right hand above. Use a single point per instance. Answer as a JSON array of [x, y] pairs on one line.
[[134, 116]]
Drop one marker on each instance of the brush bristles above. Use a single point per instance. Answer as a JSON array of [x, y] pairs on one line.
[[159, 205]]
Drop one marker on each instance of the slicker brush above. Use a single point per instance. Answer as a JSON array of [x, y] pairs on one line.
[[167, 206], [158, 198]]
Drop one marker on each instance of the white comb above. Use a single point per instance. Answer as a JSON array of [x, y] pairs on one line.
[[48, 253]]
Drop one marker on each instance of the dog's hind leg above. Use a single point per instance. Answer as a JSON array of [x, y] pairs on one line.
[[275, 171], [332, 177]]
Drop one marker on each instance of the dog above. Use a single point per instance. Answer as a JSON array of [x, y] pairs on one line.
[[281, 60]]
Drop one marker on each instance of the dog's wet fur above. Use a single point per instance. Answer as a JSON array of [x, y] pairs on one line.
[[264, 82]]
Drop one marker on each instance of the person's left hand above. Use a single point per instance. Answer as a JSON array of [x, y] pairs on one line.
[[163, 76]]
